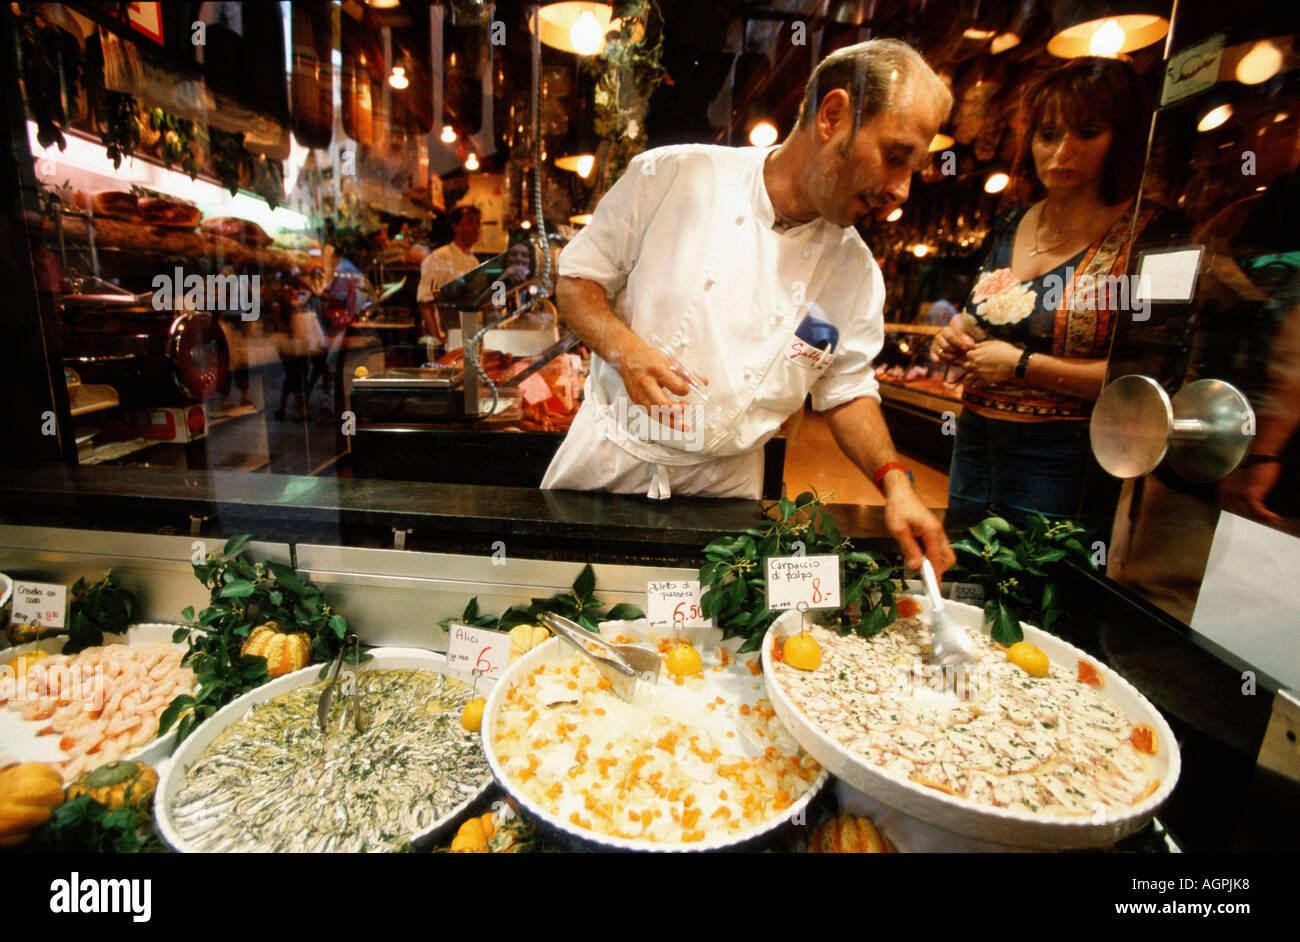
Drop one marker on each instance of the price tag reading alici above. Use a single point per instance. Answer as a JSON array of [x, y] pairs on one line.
[[478, 649], [669, 603], [812, 580], [40, 603]]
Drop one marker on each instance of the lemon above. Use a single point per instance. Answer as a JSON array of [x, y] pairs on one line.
[[22, 662], [684, 660], [472, 716], [803, 652], [1029, 658], [360, 372]]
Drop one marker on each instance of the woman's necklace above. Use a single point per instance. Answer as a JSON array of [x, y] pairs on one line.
[[1042, 214]]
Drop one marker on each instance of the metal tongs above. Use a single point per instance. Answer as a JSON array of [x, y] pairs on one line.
[[327, 696], [950, 645], [622, 664]]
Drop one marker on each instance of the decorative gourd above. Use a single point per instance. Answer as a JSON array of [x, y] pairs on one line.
[[523, 638], [848, 835], [474, 834], [29, 793], [118, 784], [284, 651]]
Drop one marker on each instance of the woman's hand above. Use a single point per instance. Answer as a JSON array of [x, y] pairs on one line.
[[951, 343], [992, 361]]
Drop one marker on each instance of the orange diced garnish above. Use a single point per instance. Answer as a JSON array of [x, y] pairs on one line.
[[603, 684], [754, 669], [1143, 738], [908, 608], [1088, 674], [690, 816], [692, 836], [935, 785]]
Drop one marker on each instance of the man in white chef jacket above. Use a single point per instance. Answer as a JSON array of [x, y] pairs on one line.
[[744, 263], [447, 264]]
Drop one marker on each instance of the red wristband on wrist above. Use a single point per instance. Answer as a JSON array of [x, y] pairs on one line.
[[879, 477]]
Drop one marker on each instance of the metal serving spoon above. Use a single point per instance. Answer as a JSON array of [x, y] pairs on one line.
[[950, 645], [621, 664]]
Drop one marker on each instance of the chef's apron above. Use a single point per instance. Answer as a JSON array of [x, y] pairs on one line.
[[599, 453]]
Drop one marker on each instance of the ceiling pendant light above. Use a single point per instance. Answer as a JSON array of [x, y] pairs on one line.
[[448, 134], [996, 182], [398, 79], [1260, 64], [581, 219], [1106, 27], [471, 162], [763, 134], [581, 164], [896, 215], [577, 26], [1214, 117]]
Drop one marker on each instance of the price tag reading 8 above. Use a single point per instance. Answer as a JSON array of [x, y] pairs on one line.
[[40, 603], [477, 650], [811, 580], [675, 603]]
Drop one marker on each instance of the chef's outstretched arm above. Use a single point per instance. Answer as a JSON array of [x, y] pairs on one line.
[[860, 431], [645, 371]]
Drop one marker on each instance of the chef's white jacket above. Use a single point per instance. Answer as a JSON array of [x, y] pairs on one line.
[[684, 248]]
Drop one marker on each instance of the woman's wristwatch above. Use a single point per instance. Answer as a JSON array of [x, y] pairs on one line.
[[1022, 367]]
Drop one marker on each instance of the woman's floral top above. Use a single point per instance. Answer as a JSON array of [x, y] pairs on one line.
[[1055, 313]]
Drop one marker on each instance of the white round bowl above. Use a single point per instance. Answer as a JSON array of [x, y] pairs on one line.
[[724, 682], [983, 822], [18, 736], [172, 776]]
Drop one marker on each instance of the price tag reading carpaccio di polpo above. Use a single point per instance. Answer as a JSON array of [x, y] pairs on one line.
[[675, 603], [793, 581], [477, 649]]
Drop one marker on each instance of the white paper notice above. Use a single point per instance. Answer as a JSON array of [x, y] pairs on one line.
[[668, 603], [813, 580], [1168, 275], [1248, 598], [40, 603], [478, 649]]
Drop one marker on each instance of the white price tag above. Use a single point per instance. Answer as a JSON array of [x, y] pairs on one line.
[[40, 603], [813, 580], [478, 649], [668, 603]]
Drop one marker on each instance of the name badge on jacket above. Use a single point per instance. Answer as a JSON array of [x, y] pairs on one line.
[[813, 344]]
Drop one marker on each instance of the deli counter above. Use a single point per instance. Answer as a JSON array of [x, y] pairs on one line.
[[406, 564]]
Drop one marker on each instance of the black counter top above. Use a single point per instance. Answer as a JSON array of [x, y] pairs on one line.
[[447, 517]]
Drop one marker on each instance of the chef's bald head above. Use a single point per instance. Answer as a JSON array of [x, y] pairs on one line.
[[877, 74]]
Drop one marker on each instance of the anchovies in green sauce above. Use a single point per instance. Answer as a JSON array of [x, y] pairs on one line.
[[272, 782]]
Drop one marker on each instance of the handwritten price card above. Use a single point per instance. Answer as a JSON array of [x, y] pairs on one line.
[[813, 580], [669, 603], [478, 649], [40, 603]]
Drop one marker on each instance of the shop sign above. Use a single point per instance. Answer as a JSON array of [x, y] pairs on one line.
[[146, 18], [1193, 70]]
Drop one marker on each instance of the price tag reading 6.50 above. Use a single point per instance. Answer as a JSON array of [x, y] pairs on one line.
[[477, 649], [811, 580], [674, 603]]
